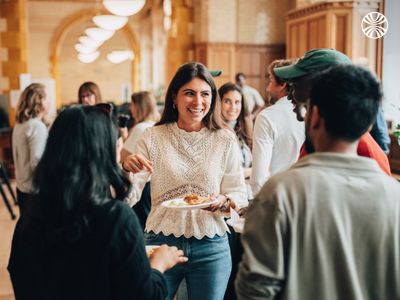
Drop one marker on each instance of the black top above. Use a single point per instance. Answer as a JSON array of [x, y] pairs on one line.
[[110, 262]]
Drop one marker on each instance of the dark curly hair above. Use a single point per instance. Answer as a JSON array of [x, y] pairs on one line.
[[348, 98]]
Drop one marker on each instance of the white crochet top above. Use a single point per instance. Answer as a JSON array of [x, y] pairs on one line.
[[203, 162]]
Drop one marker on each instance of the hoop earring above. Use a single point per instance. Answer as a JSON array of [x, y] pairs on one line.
[[174, 106]]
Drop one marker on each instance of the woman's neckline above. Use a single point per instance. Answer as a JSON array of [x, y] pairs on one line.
[[202, 129]]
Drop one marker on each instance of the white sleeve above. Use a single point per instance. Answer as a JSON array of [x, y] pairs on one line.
[[133, 138], [139, 179], [258, 98], [263, 143], [37, 142], [233, 184]]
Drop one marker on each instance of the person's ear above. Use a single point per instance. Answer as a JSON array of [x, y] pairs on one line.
[[283, 86], [315, 118]]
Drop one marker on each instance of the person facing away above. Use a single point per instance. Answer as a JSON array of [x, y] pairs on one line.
[[254, 101], [89, 94], [78, 240], [300, 77], [191, 151], [278, 136], [29, 138], [330, 224]]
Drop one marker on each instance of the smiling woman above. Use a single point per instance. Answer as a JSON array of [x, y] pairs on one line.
[[192, 92], [193, 102], [191, 151]]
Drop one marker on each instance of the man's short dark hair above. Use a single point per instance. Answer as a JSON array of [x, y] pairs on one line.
[[238, 75], [348, 98]]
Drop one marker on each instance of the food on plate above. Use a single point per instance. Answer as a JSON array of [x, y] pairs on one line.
[[178, 202], [194, 199]]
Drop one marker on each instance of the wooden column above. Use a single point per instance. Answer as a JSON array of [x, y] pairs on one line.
[[233, 58], [180, 38], [14, 46], [333, 24]]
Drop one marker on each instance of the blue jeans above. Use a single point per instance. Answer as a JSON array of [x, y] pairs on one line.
[[207, 271]]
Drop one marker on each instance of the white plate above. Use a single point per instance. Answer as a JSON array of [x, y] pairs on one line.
[[237, 226], [179, 203], [149, 249]]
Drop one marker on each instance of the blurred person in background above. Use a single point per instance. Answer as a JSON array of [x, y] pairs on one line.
[[300, 77], [144, 111], [29, 138], [234, 112], [89, 94], [254, 101], [278, 136]]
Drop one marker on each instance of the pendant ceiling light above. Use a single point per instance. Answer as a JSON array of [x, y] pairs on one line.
[[87, 58], [124, 8], [99, 34], [110, 22], [90, 43], [117, 57], [167, 7], [84, 49]]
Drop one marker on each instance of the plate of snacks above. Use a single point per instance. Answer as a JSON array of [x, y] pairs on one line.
[[192, 201]]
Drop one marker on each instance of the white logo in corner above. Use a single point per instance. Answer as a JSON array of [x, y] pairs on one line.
[[374, 25]]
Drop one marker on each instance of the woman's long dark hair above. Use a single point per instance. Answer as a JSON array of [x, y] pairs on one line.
[[185, 74], [77, 170], [241, 129]]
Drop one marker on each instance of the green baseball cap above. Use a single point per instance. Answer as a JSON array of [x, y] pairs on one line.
[[315, 60], [215, 73]]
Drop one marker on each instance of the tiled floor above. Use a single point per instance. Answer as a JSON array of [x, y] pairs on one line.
[[6, 231]]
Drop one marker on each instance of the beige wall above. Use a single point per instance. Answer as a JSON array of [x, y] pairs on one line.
[[222, 21], [44, 17], [257, 22], [262, 21], [241, 21], [108, 76]]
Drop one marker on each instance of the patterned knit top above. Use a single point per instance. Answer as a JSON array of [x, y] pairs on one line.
[[203, 162]]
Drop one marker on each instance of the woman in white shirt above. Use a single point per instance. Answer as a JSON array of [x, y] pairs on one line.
[[29, 138], [144, 111], [191, 151]]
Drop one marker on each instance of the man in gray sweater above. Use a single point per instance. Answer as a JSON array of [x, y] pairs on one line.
[[329, 227]]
